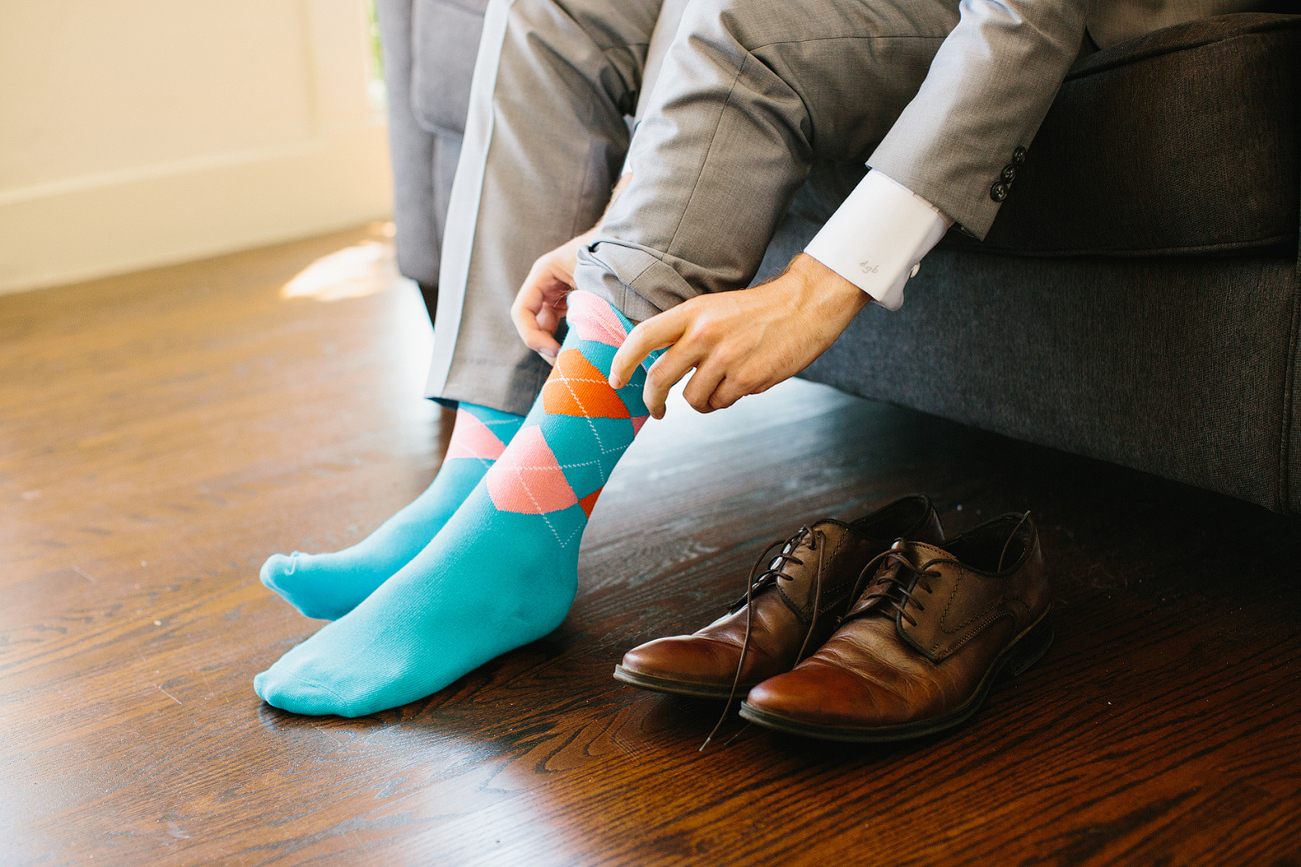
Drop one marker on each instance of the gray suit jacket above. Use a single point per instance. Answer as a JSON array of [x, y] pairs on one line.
[[957, 144]]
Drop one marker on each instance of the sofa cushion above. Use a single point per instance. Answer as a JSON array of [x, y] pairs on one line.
[[1179, 366], [444, 42], [1183, 140]]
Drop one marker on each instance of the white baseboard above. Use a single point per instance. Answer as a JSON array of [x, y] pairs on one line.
[[110, 224]]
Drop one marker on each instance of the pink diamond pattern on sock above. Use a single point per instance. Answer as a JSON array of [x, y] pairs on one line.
[[472, 438], [637, 423], [528, 479], [594, 319]]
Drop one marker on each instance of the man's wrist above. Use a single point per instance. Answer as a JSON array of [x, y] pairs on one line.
[[830, 294]]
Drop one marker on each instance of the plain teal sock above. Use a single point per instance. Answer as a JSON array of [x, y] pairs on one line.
[[328, 586], [503, 570]]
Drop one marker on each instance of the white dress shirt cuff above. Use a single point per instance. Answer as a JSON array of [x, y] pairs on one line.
[[877, 238]]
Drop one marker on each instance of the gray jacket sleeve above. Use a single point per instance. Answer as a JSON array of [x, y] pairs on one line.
[[984, 97]]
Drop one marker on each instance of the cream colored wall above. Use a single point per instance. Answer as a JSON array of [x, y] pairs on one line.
[[136, 133]]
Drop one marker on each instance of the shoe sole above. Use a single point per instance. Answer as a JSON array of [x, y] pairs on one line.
[[677, 687], [1027, 649]]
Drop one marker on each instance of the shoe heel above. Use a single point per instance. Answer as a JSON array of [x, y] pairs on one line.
[[1033, 646]]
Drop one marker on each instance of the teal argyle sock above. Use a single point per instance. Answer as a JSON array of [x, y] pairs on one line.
[[330, 585], [503, 571]]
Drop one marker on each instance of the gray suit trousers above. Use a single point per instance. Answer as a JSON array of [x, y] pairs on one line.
[[750, 97]]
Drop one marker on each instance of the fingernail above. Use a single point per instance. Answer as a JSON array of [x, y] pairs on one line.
[[548, 355]]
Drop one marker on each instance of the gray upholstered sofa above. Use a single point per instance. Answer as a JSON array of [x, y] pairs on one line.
[[1137, 300]]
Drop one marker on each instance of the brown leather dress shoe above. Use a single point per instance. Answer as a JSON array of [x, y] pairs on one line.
[[794, 606], [922, 644]]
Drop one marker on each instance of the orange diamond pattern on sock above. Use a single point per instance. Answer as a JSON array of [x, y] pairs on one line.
[[589, 502], [528, 479], [577, 388]]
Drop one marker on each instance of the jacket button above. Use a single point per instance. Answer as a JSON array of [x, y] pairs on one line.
[[1018, 156], [1009, 173], [998, 192]]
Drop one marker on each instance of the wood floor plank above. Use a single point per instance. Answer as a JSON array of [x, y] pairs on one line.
[[162, 433]]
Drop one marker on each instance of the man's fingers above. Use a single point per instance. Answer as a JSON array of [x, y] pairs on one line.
[[655, 333], [664, 374], [548, 319], [729, 391], [704, 383], [534, 335], [536, 313]]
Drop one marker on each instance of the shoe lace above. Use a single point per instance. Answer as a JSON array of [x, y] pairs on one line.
[[888, 592], [890, 584], [756, 583]]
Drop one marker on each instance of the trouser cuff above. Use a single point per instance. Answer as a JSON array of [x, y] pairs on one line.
[[636, 282]]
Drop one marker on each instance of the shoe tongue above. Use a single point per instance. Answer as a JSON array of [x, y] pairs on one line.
[[867, 604], [831, 533], [826, 537]]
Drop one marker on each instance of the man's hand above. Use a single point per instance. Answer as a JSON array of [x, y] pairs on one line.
[[742, 342], [540, 303]]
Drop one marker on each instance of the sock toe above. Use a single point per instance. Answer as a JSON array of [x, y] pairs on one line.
[[286, 690], [313, 597], [277, 567]]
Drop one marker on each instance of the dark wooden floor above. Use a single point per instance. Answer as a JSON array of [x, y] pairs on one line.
[[161, 434]]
